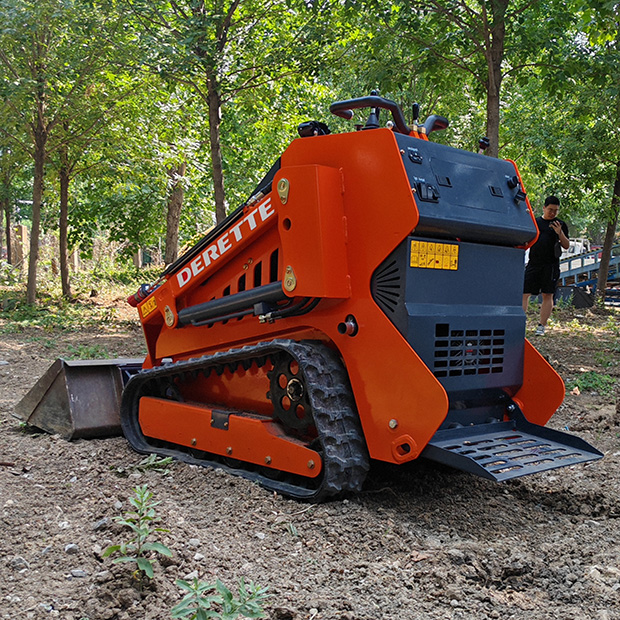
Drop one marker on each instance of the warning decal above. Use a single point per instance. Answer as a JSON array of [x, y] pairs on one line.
[[434, 255], [147, 307]]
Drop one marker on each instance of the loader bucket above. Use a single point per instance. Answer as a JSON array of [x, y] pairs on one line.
[[78, 399]]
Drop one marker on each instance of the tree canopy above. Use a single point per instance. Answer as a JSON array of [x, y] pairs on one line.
[[147, 121]]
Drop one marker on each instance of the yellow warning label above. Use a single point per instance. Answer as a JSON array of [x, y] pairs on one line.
[[147, 307], [434, 255]]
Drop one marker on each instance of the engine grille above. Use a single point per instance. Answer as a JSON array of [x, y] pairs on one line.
[[461, 352]]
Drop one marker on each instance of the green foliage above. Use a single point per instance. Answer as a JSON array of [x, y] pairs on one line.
[[592, 381], [53, 314], [105, 278], [153, 463], [125, 89], [565, 120], [608, 359], [106, 274], [197, 604], [564, 305], [86, 352], [140, 521], [9, 276], [575, 326], [613, 325]]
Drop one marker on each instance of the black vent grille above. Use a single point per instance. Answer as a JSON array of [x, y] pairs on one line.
[[387, 286], [461, 352]]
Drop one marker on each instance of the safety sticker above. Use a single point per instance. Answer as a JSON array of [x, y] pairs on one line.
[[434, 255], [147, 307]]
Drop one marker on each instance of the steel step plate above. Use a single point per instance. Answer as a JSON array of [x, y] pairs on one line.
[[510, 449]]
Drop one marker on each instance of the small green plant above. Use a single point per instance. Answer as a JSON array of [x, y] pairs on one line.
[[140, 521], [575, 326], [612, 325], [27, 429], [564, 304], [154, 463], [606, 359], [150, 463], [197, 603], [9, 275], [592, 381]]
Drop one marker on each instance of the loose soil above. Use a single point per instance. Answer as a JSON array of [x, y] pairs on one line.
[[421, 541]]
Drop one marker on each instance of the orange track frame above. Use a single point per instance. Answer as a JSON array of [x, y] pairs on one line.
[[246, 438]]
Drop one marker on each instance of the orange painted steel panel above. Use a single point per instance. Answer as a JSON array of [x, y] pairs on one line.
[[378, 201], [542, 391], [253, 261], [392, 386], [253, 224], [230, 242], [244, 389], [312, 231], [251, 439]]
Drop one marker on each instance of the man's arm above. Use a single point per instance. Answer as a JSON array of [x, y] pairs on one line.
[[561, 230]]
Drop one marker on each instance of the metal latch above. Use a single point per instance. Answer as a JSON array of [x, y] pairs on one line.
[[426, 191], [414, 155], [219, 419]]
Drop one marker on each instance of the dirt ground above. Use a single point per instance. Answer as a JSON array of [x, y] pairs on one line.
[[420, 541]]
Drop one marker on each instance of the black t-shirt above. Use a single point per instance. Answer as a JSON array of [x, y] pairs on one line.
[[543, 251]]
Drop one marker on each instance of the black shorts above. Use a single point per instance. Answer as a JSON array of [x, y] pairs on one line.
[[541, 278]]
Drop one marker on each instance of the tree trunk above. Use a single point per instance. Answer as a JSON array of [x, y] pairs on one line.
[[64, 222], [9, 245], [494, 53], [40, 140], [175, 204], [4, 209], [603, 269], [4, 204], [215, 119]]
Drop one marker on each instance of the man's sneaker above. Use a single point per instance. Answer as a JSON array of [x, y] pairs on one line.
[[540, 331]]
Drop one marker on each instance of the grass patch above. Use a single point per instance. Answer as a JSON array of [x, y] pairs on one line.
[[54, 314], [87, 352], [592, 381], [102, 306]]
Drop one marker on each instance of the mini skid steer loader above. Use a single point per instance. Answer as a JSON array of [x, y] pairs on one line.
[[364, 303]]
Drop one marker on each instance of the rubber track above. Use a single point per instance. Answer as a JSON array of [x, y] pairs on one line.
[[342, 444]]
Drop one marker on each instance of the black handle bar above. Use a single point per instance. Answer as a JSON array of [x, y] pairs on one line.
[[344, 109]]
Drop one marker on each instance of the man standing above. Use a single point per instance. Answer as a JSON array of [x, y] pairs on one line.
[[543, 269]]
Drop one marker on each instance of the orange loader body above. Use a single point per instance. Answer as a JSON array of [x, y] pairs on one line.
[[233, 327]]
